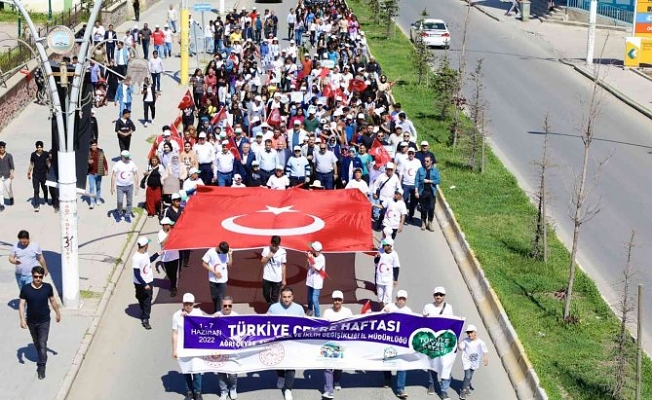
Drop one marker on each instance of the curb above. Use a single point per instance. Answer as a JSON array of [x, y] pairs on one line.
[[86, 341], [617, 93], [482, 10], [521, 373]]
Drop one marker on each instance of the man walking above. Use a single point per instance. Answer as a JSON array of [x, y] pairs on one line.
[[228, 382], [26, 255], [387, 269], [286, 306], [145, 35], [316, 265], [408, 172], [400, 306], [37, 297], [39, 165], [384, 188], [298, 168], [273, 259], [124, 181], [192, 381], [217, 262], [7, 169], [395, 211], [97, 168], [170, 258], [143, 278], [325, 166], [438, 308], [224, 162], [425, 191], [124, 128], [336, 313]]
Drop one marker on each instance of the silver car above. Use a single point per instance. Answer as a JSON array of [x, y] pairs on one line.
[[433, 32]]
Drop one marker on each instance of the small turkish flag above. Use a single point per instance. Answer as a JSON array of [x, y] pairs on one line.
[[233, 148], [229, 131], [274, 118], [324, 72], [328, 91], [186, 101], [357, 85], [380, 154], [366, 308], [321, 272], [219, 117]]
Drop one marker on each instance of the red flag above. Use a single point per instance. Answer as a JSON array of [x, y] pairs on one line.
[[28, 75], [366, 307], [233, 148], [340, 219], [380, 154], [357, 85], [186, 101], [274, 118], [321, 272], [219, 117], [229, 131], [328, 91], [324, 72]]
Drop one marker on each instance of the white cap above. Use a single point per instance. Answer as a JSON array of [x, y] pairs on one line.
[[316, 246], [311, 111], [403, 144], [316, 184], [292, 41], [176, 196], [424, 143], [361, 116], [125, 154], [412, 150], [388, 241], [258, 98], [156, 26], [297, 122], [225, 142], [167, 132], [202, 135], [439, 289], [167, 220], [337, 294], [142, 241], [238, 130], [188, 298], [399, 191], [237, 176], [471, 328], [390, 165], [193, 171], [297, 148], [280, 167], [401, 293]]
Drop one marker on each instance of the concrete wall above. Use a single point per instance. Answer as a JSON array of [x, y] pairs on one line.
[[41, 6], [18, 94]]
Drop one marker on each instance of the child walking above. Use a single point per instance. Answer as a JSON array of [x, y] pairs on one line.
[[472, 349]]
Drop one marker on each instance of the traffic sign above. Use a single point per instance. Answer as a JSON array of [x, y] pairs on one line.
[[202, 7]]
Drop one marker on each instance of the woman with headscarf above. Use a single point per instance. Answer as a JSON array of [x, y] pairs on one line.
[[154, 177]]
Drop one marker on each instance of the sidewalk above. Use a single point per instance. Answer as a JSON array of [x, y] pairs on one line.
[[103, 243], [569, 42]]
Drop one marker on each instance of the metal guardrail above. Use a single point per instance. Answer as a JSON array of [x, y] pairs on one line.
[[605, 10]]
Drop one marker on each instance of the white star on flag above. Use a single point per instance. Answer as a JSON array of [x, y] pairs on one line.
[[278, 210]]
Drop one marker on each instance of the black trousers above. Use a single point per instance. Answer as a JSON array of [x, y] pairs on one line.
[[171, 270], [124, 142], [271, 291], [40, 333], [288, 374], [144, 297], [427, 203], [218, 291], [149, 106], [39, 182]]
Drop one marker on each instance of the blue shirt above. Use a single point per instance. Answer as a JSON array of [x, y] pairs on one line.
[[279, 309], [298, 167]]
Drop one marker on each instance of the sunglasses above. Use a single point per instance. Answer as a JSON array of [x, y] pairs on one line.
[[37, 276], [439, 295], [227, 305], [402, 298], [340, 300]]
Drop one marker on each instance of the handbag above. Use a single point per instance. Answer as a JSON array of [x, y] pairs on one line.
[[143, 182]]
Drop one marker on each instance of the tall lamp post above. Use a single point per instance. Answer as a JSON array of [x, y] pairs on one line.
[[49, 10], [66, 156]]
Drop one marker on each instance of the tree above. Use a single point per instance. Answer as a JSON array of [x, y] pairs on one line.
[[477, 107], [389, 11], [622, 352], [540, 243], [445, 85], [459, 99], [374, 7], [421, 55]]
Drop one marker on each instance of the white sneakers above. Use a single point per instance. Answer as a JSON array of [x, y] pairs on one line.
[[233, 394], [288, 394]]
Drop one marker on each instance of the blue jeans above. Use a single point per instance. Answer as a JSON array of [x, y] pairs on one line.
[[224, 179], [313, 300], [125, 191], [206, 173], [468, 376], [326, 179], [409, 198], [444, 384], [167, 50], [332, 377], [95, 187], [227, 381], [156, 80], [298, 36], [400, 381], [209, 44], [23, 280], [160, 48], [173, 25], [193, 381]]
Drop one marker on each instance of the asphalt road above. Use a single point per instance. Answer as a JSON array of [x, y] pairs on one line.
[[523, 81], [126, 361]]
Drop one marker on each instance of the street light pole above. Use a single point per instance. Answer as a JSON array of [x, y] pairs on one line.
[[66, 157], [593, 16], [49, 10]]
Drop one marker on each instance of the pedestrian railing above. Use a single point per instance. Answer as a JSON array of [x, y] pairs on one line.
[[605, 10]]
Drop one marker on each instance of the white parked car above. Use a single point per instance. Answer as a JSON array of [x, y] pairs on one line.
[[433, 32]]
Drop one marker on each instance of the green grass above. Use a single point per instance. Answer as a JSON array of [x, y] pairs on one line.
[[572, 361], [89, 294], [12, 16]]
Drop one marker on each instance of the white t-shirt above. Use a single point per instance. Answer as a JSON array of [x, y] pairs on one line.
[[124, 173], [408, 171], [395, 210], [221, 314], [360, 185], [168, 255], [177, 324], [278, 183], [273, 269], [189, 184], [332, 315], [444, 310], [313, 279], [385, 267], [472, 351], [140, 261], [388, 189], [218, 263]]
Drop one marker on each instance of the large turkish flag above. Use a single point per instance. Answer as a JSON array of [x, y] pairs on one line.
[[247, 218]]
